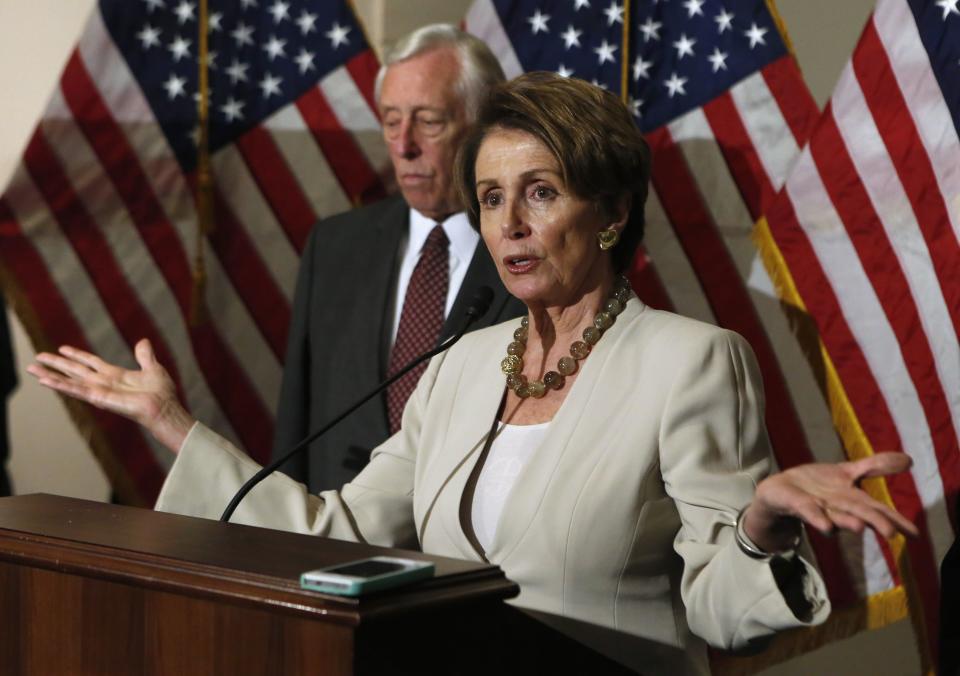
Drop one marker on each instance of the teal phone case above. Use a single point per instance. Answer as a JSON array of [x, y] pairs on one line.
[[345, 585]]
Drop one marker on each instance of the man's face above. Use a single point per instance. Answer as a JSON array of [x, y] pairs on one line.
[[423, 123]]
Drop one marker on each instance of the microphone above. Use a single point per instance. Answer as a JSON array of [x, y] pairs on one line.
[[478, 307]]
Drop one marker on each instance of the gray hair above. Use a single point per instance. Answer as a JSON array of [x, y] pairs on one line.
[[479, 68]]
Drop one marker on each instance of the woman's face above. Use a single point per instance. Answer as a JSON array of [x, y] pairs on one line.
[[542, 237]]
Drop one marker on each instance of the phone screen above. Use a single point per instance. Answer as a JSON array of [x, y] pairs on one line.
[[366, 568]]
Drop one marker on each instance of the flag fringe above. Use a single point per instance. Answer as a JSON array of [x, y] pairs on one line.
[[78, 411], [781, 26], [855, 441], [874, 612]]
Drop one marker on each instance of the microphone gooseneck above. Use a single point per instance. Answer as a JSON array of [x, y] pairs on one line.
[[478, 307]]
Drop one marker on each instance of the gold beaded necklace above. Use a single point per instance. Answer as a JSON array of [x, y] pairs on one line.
[[512, 364]]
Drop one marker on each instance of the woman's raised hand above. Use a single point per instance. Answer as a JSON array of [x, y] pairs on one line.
[[147, 396], [826, 497]]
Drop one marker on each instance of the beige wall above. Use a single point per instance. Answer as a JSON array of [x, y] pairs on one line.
[[48, 455]]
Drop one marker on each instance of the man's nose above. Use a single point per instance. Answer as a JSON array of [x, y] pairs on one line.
[[405, 144]]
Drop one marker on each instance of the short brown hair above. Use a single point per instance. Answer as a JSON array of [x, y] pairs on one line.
[[602, 155]]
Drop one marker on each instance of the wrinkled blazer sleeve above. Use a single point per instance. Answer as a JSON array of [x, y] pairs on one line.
[[713, 451], [376, 507]]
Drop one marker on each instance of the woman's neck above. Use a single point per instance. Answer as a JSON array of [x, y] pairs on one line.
[[557, 326]]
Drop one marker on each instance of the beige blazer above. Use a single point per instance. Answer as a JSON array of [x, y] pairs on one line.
[[622, 518]]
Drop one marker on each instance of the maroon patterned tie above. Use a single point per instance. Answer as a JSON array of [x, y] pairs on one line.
[[420, 320]]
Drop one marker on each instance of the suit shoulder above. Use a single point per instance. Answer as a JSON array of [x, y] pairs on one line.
[[673, 331], [390, 212]]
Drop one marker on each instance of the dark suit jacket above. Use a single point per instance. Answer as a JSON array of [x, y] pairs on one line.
[[950, 608], [335, 349], [8, 381]]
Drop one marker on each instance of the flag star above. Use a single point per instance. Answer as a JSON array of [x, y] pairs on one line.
[[211, 61], [724, 21], [242, 34], [175, 86], [694, 7], [605, 52], [184, 11], [949, 7], [641, 68], [571, 38], [580, 4], [232, 109], [650, 29], [756, 35], [154, 4], [270, 85], [237, 71], [338, 35], [149, 36], [675, 85], [614, 13], [563, 71], [538, 22], [635, 105], [215, 22], [305, 61], [596, 83], [275, 47], [179, 48], [684, 46], [247, 4], [718, 59], [306, 22], [280, 11]]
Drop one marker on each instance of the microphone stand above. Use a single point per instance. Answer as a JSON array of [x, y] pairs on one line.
[[477, 309]]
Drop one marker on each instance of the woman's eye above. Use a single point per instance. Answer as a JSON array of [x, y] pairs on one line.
[[542, 192], [491, 199]]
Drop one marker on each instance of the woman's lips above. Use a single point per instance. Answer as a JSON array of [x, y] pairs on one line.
[[520, 264]]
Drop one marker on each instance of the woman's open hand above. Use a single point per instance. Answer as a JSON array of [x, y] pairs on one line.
[[147, 396], [825, 496]]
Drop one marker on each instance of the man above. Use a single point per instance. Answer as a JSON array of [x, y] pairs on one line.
[[367, 278]]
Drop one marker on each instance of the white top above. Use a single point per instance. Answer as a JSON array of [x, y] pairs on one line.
[[512, 447], [463, 242]]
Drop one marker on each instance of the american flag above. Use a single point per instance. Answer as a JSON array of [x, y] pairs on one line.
[[99, 223], [715, 89], [868, 225]]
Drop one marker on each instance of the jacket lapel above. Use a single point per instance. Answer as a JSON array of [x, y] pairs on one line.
[[482, 272]]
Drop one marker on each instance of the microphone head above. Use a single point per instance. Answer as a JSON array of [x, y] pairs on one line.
[[480, 302]]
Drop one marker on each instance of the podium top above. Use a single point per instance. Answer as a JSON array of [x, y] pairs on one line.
[[207, 558]]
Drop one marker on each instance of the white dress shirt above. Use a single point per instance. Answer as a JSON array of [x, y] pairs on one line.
[[463, 242]]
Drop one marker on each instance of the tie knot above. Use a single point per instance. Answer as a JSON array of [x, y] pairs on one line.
[[437, 238]]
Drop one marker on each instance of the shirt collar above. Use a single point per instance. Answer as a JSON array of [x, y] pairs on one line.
[[463, 238]]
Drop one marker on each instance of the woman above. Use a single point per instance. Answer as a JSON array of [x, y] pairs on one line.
[[624, 436]]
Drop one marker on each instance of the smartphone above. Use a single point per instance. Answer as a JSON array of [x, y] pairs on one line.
[[366, 575]]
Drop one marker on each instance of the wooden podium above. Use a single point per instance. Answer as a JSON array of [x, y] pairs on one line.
[[91, 588]]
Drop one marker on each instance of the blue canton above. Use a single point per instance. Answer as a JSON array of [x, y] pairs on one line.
[[683, 53], [263, 55]]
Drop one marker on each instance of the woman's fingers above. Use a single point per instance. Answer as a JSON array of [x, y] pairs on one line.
[[880, 464], [91, 361], [66, 366], [143, 351]]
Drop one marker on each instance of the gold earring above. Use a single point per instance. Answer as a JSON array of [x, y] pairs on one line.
[[608, 239]]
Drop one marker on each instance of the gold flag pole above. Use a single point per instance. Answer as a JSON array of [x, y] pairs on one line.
[[204, 190]]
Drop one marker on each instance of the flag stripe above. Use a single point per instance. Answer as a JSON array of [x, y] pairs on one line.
[[93, 252], [363, 69], [896, 124], [111, 220], [253, 216], [882, 270], [337, 146], [124, 97], [250, 419], [863, 390], [874, 337], [278, 185], [354, 116], [743, 161], [923, 300], [732, 307], [646, 282], [307, 162], [795, 103], [57, 319]]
